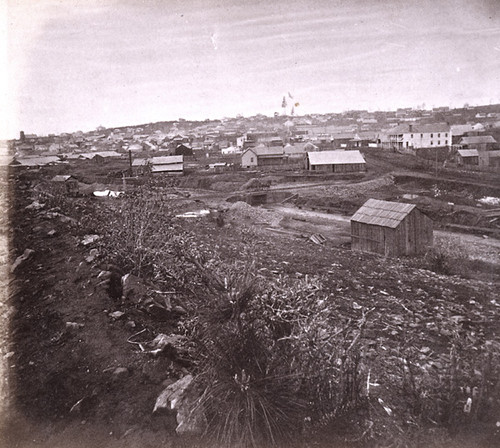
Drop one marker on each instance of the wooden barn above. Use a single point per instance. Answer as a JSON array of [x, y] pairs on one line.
[[390, 228], [336, 161]]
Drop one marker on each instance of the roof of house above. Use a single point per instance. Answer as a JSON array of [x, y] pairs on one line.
[[468, 153], [474, 140], [460, 129], [335, 157], [404, 128], [167, 168], [36, 161], [159, 160], [264, 151], [297, 148], [382, 213], [92, 154]]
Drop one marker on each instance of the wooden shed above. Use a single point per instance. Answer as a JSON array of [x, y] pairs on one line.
[[390, 229]]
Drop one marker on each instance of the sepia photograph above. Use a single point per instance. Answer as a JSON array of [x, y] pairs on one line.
[[249, 224]]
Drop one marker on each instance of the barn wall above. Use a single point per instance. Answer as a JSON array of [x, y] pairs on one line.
[[413, 235], [349, 167], [367, 238]]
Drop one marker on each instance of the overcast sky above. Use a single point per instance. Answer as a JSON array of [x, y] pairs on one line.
[[74, 65]]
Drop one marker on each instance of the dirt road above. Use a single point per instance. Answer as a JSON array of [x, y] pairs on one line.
[[336, 228]]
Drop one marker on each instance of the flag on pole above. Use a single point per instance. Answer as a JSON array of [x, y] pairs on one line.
[[290, 95], [283, 104]]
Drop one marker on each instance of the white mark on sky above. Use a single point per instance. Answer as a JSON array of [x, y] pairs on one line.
[[458, 69], [213, 38]]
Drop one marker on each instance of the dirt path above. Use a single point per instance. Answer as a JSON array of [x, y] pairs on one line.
[[336, 227]]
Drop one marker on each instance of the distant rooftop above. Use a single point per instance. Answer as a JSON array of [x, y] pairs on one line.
[[335, 157]]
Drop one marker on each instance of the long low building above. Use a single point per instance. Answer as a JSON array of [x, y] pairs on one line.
[[336, 161], [160, 164]]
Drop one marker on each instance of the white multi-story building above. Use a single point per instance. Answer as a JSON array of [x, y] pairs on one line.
[[413, 136]]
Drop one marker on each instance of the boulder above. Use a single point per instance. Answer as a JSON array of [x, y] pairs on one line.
[[181, 398]]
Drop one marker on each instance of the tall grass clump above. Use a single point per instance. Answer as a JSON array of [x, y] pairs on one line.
[[268, 359]]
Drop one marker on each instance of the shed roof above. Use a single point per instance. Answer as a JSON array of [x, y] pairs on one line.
[[335, 157], [468, 152], [382, 213], [474, 140]]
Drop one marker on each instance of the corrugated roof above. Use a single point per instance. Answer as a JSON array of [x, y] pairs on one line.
[[335, 157], [468, 152], [382, 213]]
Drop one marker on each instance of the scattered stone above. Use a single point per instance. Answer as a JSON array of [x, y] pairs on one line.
[[163, 343], [89, 239], [116, 315], [179, 310], [74, 325], [19, 260], [52, 233], [120, 372], [94, 253], [8, 355], [35, 205], [130, 324]]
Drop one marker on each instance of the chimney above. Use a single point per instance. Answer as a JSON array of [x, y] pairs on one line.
[[411, 127]]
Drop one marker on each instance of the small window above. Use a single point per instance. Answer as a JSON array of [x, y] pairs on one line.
[[446, 142], [439, 135], [446, 135], [411, 136], [432, 135], [431, 143], [251, 159], [421, 135], [439, 142]]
